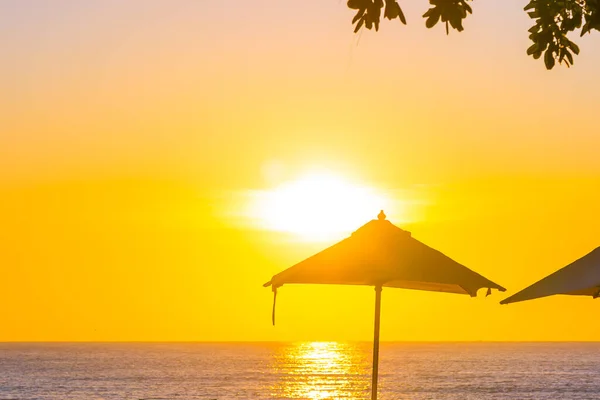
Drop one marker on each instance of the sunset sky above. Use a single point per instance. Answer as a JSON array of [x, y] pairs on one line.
[[142, 144]]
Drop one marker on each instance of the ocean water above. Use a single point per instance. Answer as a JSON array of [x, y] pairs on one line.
[[321, 370]]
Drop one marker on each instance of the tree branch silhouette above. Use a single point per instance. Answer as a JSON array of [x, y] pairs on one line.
[[554, 20]]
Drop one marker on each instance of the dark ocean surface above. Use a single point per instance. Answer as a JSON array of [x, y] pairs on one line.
[[318, 370]]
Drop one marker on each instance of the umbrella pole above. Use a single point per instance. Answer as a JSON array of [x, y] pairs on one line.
[[376, 343]]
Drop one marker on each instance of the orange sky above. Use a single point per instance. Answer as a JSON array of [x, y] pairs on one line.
[[132, 137]]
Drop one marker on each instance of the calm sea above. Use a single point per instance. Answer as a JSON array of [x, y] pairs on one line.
[[327, 370]]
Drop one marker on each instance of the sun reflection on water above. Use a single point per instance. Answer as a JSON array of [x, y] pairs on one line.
[[321, 370]]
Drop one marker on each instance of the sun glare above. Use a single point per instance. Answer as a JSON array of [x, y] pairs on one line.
[[318, 206]]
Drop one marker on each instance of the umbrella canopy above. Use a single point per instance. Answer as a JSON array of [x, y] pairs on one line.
[[380, 254], [580, 278]]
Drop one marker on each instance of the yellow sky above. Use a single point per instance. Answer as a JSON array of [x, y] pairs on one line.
[[132, 138]]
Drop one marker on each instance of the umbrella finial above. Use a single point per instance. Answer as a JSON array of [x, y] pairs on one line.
[[381, 216]]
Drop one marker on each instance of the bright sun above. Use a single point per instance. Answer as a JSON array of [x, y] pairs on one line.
[[318, 206]]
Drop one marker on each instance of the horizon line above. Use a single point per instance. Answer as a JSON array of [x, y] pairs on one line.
[[283, 341]]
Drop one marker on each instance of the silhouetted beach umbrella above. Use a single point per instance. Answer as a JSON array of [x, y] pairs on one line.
[[580, 278], [380, 254]]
